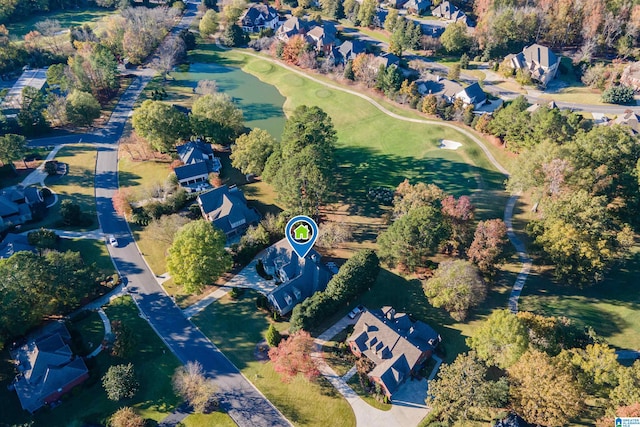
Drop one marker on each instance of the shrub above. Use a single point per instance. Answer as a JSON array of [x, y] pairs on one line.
[[273, 336], [618, 95], [120, 382], [51, 167]]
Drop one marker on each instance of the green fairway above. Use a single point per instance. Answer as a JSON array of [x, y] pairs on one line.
[[67, 19], [375, 149], [236, 327]]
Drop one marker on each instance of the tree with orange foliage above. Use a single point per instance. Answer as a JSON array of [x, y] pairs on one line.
[[294, 48], [621, 411], [122, 202], [293, 357]]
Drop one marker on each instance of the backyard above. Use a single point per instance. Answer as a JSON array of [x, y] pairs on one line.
[[236, 327]]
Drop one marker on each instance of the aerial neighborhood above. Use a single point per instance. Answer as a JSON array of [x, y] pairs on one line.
[[358, 213]]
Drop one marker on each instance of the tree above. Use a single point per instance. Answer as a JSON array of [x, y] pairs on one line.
[[197, 256], [408, 197], [389, 80], [190, 383], [70, 212], [364, 69], [618, 95], [126, 417], [413, 237], [367, 12], [168, 55], [391, 20], [456, 286], [233, 36], [56, 112], [82, 108], [348, 71], [43, 239], [216, 118], [294, 48], [166, 227], [50, 28], [628, 390], [293, 357], [620, 411], [459, 213], [31, 118], [430, 104], [332, 234], [332, 8], [597, 367], [464, 61], [273, 336], [455, 38], [160, 124], [12, 147], [120, 382], [487, 248], [209, 23], [122, 202], [461, 390], [303, 168], [500, 340], [542, 392], [454, 72], [251, 151]]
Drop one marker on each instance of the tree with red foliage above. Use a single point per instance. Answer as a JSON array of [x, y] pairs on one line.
[[293, 357], [294, 48], [122, 202], [488, 244], [176, 164], [621, 411], [460, 214]]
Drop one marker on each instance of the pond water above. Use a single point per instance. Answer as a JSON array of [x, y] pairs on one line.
[[260, 102]]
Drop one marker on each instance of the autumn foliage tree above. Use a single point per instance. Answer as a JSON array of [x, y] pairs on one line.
[[293, 357], [296, 46], [191, 384], [122, 202], [126, 417], [488, 244]]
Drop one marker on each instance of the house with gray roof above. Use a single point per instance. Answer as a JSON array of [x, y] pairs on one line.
[[17, 205], [451, 13], [47, 369], [417, 7], [199, 161], [300, 277], [539, 60], [440, 87], [258, 17], [472, 95], [348, 51], [397, 345], [13, 243], [226, 207], [322, 37], [629, 119]]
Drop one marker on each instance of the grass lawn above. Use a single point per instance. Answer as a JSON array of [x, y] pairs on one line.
[[67, 18], [354, 383], [375, 149], [90, 331], [341, 360], [154, 251], [236, 327], [88, 404], [217, 419], [141, 174], [76, 185], [92, 251]]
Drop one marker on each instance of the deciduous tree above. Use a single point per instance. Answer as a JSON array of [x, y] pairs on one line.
[[190, 382], [120, 382], [209, 23], [455, 38], [293, 357], [251, 151], [216, 118], [82, 108], [501, 340], [160, 124], [488, 244], [197, 256], [126, 417], [12, 147]]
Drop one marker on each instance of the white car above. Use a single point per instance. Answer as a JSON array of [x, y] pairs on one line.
[[113, 241]]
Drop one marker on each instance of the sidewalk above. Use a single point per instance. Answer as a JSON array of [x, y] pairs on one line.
[[93, 234]]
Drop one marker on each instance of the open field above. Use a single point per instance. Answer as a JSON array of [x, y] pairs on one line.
[[67, 18], [236, 327], [88, 403]]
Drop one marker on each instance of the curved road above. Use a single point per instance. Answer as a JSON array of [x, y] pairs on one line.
[[237, 396]]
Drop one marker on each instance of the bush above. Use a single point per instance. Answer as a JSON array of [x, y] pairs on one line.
[[51, 167], [236, 293], [70, 213], [273, 336], [120, 382], [618, 95]]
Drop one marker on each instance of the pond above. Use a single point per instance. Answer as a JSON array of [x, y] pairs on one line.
[[261, 103]]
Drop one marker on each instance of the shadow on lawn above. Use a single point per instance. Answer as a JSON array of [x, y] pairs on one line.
[[361, 168]]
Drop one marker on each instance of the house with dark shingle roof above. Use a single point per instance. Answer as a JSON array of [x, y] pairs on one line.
[[300, 277], [348, 51], [226, 207], [417, 7], [397, 345], [199, 161], [451, 13], [17, 205], [322, 37], [13, 243], [472, 95], [192, 175], [47, 369], [258, 17], [539, 60]]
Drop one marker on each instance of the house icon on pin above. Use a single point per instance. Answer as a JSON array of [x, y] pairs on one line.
[[301, 232]]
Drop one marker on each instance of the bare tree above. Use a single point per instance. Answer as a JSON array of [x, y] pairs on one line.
[[206, 87], [50, 28], [190, 383], [57, 110], [170, 52]]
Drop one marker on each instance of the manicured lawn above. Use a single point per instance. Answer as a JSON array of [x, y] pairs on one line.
[[92, 251], [154, 251], [141, 174], [88, 403], [90, 331], [217, 419], [67, 18], [375, 149], [354, 383], [77, 186], [236, 327]]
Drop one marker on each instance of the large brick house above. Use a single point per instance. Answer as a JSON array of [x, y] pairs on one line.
[[397, 345]]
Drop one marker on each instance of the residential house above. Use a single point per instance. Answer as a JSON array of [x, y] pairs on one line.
[[396, 4], [300, 277], [397, 345], [440, 87], [259, 17], [539, 60], [386, 60], [47, 368], [348, 51], [631, 75], [13, 243], [472, 95], [17, 205], [199, 161], [291, 27], [629, 119], [417, 7], [451, 13], [226, 207], [36, 78], [322, 37]]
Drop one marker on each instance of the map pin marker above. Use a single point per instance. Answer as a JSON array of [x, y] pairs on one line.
[[301, 232]]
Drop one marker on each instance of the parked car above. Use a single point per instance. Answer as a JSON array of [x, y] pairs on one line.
[[353, 313], [113, 241]]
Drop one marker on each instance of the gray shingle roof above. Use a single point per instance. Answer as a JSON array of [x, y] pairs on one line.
[[542, 55], [192, 170], [227, 206]]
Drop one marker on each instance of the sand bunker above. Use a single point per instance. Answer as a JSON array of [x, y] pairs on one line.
[[450, 145]]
